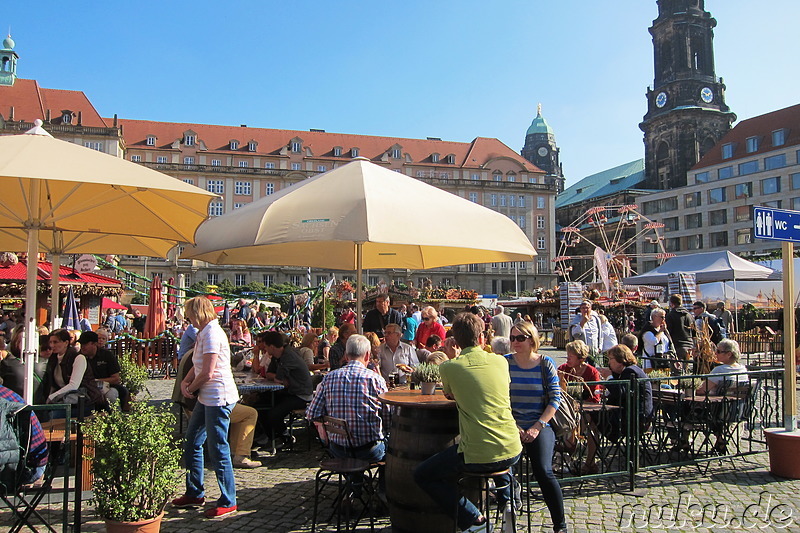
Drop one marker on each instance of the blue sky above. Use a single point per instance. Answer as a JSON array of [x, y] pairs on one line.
[[411, 68]]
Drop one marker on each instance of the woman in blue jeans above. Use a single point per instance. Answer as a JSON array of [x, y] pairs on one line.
[[210, 381], [535, 397]]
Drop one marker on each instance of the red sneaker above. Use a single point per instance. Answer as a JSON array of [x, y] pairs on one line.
[[188, 501], [216, 512]]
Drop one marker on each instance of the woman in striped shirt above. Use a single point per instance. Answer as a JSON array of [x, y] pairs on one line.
[[535, 396]]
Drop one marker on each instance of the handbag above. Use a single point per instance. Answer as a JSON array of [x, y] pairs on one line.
[[71, 397], [565, 420]]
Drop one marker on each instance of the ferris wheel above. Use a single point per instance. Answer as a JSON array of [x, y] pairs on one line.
[[601, 244]]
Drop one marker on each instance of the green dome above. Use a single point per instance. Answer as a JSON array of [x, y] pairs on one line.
[[539, 124], [8, 43]]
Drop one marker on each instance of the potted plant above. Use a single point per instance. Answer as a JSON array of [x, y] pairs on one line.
[[135, 464], [427, 375]]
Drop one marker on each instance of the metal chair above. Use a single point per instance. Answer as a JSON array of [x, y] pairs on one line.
[[487, 492]]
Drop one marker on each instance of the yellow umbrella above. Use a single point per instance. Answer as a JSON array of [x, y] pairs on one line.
[[60, 197], [361, 215]]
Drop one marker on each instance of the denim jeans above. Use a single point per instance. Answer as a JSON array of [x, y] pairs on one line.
[[373, 454], [209, 422], [540, 454], [438, 477]]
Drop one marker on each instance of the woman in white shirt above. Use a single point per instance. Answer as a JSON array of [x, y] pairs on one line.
[[211, 381]]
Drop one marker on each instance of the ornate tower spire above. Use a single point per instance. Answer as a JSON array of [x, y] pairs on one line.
[[541, 149], [8, 61]]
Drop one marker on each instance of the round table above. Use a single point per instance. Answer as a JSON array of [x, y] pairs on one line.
[[421, 426]]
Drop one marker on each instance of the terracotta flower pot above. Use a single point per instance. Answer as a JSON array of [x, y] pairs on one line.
[[784, 452], [152, 525]]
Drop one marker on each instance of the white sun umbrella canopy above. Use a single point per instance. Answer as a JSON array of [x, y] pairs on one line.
[[361, 215], [60, 197]]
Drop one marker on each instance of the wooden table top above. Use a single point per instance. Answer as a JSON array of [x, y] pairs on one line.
[[416, 398]]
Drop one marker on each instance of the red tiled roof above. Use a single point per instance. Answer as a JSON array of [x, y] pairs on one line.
[[68, 275], [30, 101], [762, 127], [270, 142]]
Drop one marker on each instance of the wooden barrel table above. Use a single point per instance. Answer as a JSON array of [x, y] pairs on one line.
[[422, 425]]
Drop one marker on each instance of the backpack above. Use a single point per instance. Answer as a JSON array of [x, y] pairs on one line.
[[719, 332], [10, 453]]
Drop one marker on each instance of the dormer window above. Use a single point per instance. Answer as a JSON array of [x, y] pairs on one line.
[[66, 117], [337, 151], [434, 158], [189, 140], [251, 146], [151, 140], [296, 146], [234, 145], [752, 144], [779, 137], [451, 159], [354, 152], [727, 150], [395, 153]]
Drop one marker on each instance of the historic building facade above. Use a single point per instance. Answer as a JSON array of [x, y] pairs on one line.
[[541, 150]]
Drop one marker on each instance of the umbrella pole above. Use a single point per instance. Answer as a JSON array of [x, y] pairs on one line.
[[31, 338], [55, 259], [359, 288]]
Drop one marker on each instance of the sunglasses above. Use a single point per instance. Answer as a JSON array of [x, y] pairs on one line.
[[426, 318], [519, 338]]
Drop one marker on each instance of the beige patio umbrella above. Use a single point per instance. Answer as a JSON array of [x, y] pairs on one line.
[[361, 215], [60, 197]]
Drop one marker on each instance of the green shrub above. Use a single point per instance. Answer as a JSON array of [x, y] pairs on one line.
[[426, 373], [133, 376]]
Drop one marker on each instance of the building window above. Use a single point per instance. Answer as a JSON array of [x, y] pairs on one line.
[[716, 196], [434, 158], [251, 146], [748, 167], [671, 224], [522, 265], [267, 279], [354, 152], [136, 158], [161, 159], [451, 159], [718, 239], [244, 164], [447, 282], [190, 181], [727, 150], [295, 166], [502, 200], [294, 279], [725, 173], [215, 186], [796, 204], [795, 180], [751, 144], [213, 279], [215, 209], [778, 137], [743, 190], [269, 164], [151, 141], [493, 199], [694, 199], [541, 243], [94, 145], [188, 160], [322, 280], [270, 188], [216, 163], [521, 222], [521, 201], [701, 177], [743, 213], [718, 217], [775, 203], [693, 221], [771, 185], [321, 168], [512, 178], [672, 244], [243, 187], [237, 205], [337, 151], [395, 153], [473, 197], [239, 279], [372, 280], [498, 177], [512, 200], [540, 202], [188, 140], [296, 146], [744, 236], [476, 177], [444, 175], [187, 281], [234, 145], [539, 222], [775, 161]]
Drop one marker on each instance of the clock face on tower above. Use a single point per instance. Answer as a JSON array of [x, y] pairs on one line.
[[542, 151], [661, 99], [707, 95]]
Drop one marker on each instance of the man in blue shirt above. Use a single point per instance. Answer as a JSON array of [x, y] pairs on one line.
[[187, 341]]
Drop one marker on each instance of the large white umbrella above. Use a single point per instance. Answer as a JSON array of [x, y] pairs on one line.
[[60, 197], [361, 215]]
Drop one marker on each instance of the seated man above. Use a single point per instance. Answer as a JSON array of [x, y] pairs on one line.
[[479, 383], [351, 393], [105, 368], [37, 448], [432, 344], [393, 353]]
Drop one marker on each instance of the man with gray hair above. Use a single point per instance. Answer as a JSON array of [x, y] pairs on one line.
[[351, 393], [501, 322], [393, 352]]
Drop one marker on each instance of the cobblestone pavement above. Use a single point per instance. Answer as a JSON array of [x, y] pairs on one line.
[[739, 495]]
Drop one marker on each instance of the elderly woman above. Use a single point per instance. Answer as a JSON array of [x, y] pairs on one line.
[[501, 345], [535, 397], [728, 355], [210, 380], [428, 327], [68, 371], [577, 369], [656, 341]]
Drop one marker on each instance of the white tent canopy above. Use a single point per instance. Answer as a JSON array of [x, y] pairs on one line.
[[708, 267]]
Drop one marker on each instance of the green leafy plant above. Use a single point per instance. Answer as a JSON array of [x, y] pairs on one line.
[[426, 373], [133, 376], [136, 462]]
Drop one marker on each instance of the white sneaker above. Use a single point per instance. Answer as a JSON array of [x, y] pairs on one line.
[[508, 519]]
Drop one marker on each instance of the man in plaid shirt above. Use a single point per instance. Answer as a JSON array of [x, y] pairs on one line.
[[37, 449], [351, 393]]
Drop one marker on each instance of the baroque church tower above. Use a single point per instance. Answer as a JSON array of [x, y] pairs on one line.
[[686, 110], [541, 150], [8, 62]]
